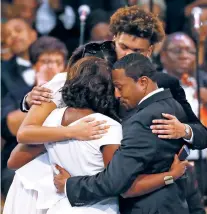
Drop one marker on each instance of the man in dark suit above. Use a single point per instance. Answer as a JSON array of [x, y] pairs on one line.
[[15, 72], [141, 151]]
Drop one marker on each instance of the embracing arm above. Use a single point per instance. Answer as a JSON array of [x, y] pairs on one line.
[[145, 184], [31, 130], [199, 131], [142, 185], [177, 129], [22, 154], [118, 176]]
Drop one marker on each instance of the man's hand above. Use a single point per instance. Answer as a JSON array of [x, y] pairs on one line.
[[60, 179], [89, 129], [169, 128], [38, 95], [178, 167]]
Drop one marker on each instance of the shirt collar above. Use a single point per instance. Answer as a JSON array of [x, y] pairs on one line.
[[151, 93], [23, 62]]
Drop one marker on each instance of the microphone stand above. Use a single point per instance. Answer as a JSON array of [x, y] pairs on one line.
[[151, 6], [82, 32], [126, 3]]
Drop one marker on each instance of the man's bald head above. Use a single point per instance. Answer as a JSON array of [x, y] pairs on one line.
[[176, 37]]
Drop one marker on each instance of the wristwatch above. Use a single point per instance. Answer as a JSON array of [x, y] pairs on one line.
[[187, 131], [168, 180]]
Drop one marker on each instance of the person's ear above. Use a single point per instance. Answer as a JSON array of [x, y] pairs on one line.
[[162, 57], [143, 83], [114, 38], [150, 50]]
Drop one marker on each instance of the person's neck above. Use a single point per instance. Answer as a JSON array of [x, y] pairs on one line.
[[150, 90], [24, 55], [73, 114]]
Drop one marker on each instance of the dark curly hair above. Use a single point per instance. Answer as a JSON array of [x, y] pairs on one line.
[[136, 65], [137, 22], [91, 87]]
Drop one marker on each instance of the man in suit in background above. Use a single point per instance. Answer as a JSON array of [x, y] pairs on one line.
[[141, 151], [16, 72]]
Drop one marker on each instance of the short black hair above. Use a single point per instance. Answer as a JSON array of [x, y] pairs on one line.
[[91, 87], [137, 22], [46, 44], [135, 66]]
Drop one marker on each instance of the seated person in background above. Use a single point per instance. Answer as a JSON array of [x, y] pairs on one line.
[[16, 72], [48, 56], [6, 53], [178, 56], [98, 23]]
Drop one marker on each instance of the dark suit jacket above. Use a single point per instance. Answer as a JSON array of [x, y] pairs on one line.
[[193, 196], [11, 76], [10, 103], [141, 152]]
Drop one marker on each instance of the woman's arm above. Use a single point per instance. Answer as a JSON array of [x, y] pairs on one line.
[[148, 183], [22, 154], [31, 130], [108, 152]]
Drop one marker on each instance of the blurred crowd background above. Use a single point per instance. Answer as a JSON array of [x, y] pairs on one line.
[[38, 36]]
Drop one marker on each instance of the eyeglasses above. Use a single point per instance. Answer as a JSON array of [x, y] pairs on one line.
[[47, 62], [178, 51]]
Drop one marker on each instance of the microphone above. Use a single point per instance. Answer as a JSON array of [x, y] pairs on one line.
[[84, 11], [196, 13]]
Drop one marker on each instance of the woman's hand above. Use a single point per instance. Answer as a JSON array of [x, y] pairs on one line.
[[169, 128], [89, 129], [38, 95], [178, 167]]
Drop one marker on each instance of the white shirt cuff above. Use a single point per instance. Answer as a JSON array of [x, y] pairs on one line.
[[65, 189], [191, 139], [24, 106]]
